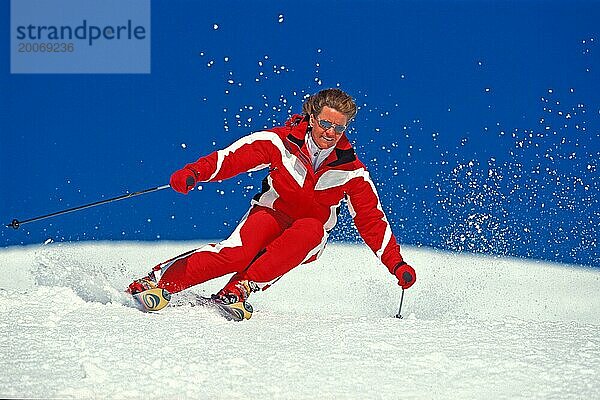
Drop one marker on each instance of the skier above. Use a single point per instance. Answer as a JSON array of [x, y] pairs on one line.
[[312, 168]]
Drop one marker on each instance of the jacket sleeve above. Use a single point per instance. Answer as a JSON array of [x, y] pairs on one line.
[[249, 153], [371, 222]]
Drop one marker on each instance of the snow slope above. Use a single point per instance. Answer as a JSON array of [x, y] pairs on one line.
[[474, 327]]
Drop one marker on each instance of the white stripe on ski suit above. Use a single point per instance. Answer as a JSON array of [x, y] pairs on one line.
[[289, 161], [234, 240], [267, 199], [334, 178], [318, 249], [332, 220]]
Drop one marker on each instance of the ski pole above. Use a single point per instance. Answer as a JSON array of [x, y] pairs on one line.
[[400, 308], [16, 223]]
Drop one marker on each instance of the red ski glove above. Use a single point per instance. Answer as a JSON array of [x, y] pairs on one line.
[[406, 275], [183, 180]]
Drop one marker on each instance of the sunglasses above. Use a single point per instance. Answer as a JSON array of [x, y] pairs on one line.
[[323, 123]]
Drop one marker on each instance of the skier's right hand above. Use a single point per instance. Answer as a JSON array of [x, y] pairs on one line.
[[183, 180]]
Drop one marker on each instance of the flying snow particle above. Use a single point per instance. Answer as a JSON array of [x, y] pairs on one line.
[[280, 18], [183, 145], [215, 26]]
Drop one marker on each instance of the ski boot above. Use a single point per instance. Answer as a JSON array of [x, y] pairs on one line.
[[148, 295], [231, 300]]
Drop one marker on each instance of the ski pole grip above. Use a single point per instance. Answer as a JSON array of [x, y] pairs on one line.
[[190, 182]]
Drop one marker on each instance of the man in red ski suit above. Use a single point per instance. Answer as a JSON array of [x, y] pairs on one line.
[[312, 168]]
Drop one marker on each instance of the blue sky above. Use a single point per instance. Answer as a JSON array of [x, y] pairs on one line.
[[478, 120]]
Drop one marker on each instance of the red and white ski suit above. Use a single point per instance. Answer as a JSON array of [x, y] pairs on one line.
[[289, 220]]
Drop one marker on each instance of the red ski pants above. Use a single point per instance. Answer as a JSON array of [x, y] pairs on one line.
[[265, 245]]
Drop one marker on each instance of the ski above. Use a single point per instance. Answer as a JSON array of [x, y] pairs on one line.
[[156, 299], [152, 299], [232, 312]]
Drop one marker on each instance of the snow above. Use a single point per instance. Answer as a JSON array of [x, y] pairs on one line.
[[473, 327]]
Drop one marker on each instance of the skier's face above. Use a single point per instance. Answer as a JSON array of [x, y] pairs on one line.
[[328, 127]]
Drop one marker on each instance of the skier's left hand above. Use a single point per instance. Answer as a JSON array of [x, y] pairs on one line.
[[406, 275]]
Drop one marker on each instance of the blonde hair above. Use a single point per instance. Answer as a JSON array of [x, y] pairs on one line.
[[334, 98]]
